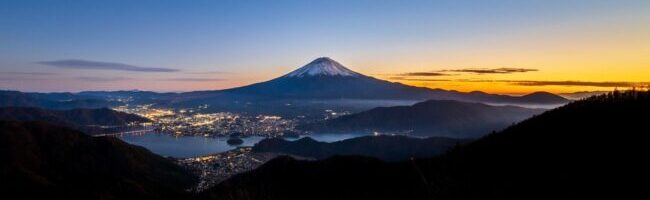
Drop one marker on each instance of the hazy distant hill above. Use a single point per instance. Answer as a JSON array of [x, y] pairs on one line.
[[581, 95], [430, 118], [382, 147], [132, 96], [43, 161], [51, 100], [586, 149], [78, 118]]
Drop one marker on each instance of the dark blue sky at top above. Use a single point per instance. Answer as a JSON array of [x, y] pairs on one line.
[[269, 37]]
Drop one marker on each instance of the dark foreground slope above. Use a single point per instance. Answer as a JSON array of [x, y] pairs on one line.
[[42, 161], [82, 119], [589, 148], [442, 118], [390, 148]]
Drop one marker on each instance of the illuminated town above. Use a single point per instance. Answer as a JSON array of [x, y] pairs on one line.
[[214, 168], [191, 122]]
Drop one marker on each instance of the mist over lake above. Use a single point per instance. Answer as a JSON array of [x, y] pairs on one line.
[[192, 146]]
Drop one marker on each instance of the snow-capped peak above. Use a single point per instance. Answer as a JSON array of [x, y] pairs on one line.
[[323, 66]]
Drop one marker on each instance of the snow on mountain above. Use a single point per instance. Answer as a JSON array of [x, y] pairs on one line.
[[323, 66]]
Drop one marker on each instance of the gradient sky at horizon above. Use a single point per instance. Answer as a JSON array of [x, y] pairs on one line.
[[507, 46]]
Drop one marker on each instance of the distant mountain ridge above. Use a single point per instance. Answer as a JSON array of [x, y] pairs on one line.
[[81, 119], [390, 148], [443, 118], [59, 101]]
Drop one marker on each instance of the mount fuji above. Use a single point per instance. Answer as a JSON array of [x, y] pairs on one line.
[[325, 78]]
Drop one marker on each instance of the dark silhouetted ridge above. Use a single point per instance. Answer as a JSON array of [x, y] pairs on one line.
[[43, 161], [85, 120], [586, 149], [389, 148]]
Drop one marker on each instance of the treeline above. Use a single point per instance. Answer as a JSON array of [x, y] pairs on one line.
[[389, 148], [618, 96]]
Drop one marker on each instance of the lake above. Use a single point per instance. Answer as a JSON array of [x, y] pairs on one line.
[[191, 146]]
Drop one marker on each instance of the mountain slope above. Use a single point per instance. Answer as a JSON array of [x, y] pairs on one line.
[[80, 119], [333, 87], [429, 118], [586, 149], [42, 161], [382, 147]]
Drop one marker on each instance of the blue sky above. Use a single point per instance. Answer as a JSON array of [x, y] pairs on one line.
[[220, 44]]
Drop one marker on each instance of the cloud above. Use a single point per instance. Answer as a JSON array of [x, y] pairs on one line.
[[609, 84], [623, 84], [29, 73], [102, 79], [208, 72], [424, 74], [503, 70], [581, 83], [418, 79], [14, 79], [194, 79], [96, 65]]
